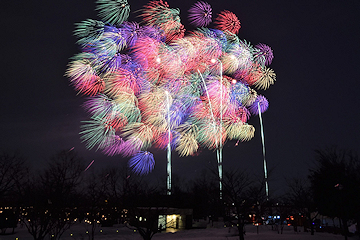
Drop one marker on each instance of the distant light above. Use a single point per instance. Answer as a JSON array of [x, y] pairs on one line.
[[213, 60], [158, 60]]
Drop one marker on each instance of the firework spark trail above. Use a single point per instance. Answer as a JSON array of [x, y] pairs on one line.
[[263, 151], [220, 132], [210, 107], [168, 146], [89, 165], [218, 150]]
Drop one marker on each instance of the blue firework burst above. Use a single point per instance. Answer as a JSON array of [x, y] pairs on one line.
[[142, 163]]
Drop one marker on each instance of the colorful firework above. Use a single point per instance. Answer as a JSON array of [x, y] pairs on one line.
[[260, 103], [200, 14], [142, 162], [263, 54], [113, 12], [154, 85], [228, 21], [88, 30]]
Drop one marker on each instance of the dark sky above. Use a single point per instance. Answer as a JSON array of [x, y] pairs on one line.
[[314, 103]]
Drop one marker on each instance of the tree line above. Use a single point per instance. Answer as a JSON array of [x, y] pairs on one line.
[[49, 201]]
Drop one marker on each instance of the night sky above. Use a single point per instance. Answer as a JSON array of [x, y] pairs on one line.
[[313, 104]]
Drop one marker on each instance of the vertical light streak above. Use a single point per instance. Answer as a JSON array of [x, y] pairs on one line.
[[168, 180], [220, 132], [218, 150], [207, 94], [263, 150]]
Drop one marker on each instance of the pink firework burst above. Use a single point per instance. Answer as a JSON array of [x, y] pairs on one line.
[[228, 21], [152, 10], [89, 85]]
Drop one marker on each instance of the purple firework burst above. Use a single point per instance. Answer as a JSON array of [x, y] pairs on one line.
[[261, 102], [130, 147], [200, 14], [131, 31], [263, 54], [113, 145]]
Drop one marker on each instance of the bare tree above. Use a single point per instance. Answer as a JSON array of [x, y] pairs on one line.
[[335, 183], [13, 171], [204, 194], [94, 198], [13, 168], [50, 197], [299, 196], [144, 205], [145, 221], [241, 195]]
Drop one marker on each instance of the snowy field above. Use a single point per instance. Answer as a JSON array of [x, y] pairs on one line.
[[120, 232]]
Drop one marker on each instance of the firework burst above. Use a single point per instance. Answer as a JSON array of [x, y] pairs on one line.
[[228, 21], [200, 14], [113, 12], [142, 163], [263, 54]]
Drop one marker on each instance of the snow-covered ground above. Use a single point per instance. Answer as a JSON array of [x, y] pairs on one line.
[[120, 232]]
